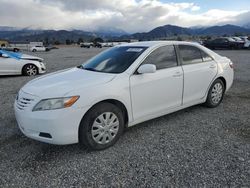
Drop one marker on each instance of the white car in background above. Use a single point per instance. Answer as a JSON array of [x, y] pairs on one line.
[[123, 86], [247, 42], [38, 49], [12, 63]]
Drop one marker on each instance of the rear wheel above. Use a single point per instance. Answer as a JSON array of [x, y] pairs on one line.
[[34, 50], [215, 94], [101, 127], [30, 70], [16, 50]]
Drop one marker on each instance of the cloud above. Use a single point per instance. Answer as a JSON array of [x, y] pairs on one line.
[[195, 8], [129, 15]]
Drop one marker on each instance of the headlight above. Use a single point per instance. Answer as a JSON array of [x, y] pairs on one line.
[[42, 64], [55, 103]]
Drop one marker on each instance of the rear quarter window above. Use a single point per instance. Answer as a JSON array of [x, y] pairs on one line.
[[193, 55], [205, 56]]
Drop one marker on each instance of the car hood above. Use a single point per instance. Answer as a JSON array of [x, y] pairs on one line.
[[60, 83], [30, 57]]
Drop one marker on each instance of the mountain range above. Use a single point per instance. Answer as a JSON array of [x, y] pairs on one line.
[[171, 30], [60, 36]]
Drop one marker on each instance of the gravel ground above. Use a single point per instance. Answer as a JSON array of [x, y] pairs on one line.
[[195, 147]]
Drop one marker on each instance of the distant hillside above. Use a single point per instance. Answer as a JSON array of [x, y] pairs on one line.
[[53, 36], [170, 30], [109, 32], [162, 32], [223, 30], [247, 25], [50, 36]]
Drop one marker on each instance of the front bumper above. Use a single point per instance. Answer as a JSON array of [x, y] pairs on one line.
[[42, 68], [61, 125]]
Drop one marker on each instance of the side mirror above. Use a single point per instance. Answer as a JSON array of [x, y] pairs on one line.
[[146, 68], [5, 55]]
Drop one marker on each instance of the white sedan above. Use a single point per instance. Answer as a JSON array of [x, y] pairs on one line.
[[12, 63], [16, 63], [123, 86], [38, 49]]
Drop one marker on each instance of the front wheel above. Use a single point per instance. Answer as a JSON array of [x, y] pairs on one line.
[[215, 94], [30, 70], [101, 127]]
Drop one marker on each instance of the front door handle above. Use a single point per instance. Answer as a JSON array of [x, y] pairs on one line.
[[177, 74]]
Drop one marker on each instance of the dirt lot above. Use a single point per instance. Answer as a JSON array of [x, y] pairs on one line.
[[195, 147]]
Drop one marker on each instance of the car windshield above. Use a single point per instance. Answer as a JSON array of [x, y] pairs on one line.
[[114, 60]]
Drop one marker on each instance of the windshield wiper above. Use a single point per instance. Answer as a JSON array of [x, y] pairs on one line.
[[80, 67], [89, 69]]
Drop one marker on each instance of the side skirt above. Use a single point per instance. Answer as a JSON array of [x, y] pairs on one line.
[[168, 111]]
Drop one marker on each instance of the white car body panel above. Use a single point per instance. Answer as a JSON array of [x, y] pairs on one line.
[[143, 87], [247, 44], [197, 88], [38, 48], [145, 96], [77, 77], [13, 66]]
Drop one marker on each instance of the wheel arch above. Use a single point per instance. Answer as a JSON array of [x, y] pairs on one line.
[[115, 102], [216, 78], [223, 80], [29, 64]]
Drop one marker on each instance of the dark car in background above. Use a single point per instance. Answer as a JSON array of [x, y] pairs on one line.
[[224, 43], [97, 45], [90, 44], [86, 45]]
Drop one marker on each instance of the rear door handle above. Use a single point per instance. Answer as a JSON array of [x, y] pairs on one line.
[[212, 66], [177, 74]]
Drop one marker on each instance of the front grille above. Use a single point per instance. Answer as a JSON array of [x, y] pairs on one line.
[[24, 102]]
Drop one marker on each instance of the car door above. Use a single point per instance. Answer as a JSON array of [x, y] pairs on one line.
[[215, 43], [199, 71], [39, 48], [153, 93], [7, 65]]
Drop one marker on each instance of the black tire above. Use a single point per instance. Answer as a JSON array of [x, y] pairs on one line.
[[87, 126], [34, 50], [27, 70], [210, 102]]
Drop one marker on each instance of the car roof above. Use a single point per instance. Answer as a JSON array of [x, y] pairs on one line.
[[157, 43]]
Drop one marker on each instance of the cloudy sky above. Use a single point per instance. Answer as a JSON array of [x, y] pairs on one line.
[[129, 15]]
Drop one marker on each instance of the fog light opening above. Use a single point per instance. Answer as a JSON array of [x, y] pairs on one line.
[[45, 135]]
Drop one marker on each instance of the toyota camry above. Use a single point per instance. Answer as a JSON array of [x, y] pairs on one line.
[[125, 85]]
